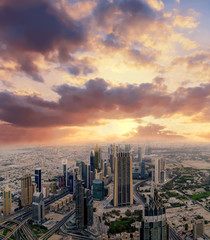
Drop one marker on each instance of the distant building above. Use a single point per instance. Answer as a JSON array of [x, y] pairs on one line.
[[7, 201], [46, 190], [154, 225], [198, 229], [160, 170], [38, 179], [92, 163], [26, 190], [61, 181], [97, 157], [64, 167], [143, 170], [38, 208], [70, 181], [139, 156], [123, 182], [98, 189]]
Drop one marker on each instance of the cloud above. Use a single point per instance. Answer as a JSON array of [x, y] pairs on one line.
[[154, 132], [97, 99], [30, 28]]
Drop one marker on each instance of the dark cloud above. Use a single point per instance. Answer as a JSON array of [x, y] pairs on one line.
[[28, 28], [154, 132], [97, 99]]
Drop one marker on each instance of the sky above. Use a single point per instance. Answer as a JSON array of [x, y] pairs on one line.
[[79, 71]]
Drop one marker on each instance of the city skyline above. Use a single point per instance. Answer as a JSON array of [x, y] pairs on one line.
[[120, 70]]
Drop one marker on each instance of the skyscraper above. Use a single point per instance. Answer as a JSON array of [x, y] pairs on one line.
[[38, 208], [160, 171], [7, 201], [38, 179], [96, 157], [154, 224], [26, 190], [92, 162], [64, 167], [79, 200], [139, 156], [123, 182], [98, 189], [88, 208]]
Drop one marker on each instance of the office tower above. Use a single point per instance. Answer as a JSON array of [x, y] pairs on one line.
[[38, 179], [53, 187], [88, 208], [7, 201], [92, 162], [105, 168], [154, 224], [96, 157], [143, 169], [64, 168], [112, 157], [100, 159], [98, 189], [127, 147], [148, 150], [160, 171], [79, 202], [38, 208], [70, 181], [198, 229], [26, 190], [61, 181], [88, 177], [123, 182], [139, 156], [34, 187]]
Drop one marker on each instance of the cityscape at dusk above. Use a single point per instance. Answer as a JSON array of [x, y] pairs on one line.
[[105, 119]]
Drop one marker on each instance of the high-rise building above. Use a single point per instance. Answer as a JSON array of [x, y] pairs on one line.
[[154, 224], [127, 147], [112, 157], [139, 156], [46, 190], [38, 208], [26, 190], [64, 168], [70, 181], [92, 162], [79, 200], [98, 189], [7, 201], [143, 169], [160, 170], [88, 208], [97, 157], [123, 182], [38, 179]]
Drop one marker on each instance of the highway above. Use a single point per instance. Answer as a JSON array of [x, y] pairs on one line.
[[57, 226]]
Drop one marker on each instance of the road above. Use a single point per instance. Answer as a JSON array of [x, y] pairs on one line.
[[57, 226]]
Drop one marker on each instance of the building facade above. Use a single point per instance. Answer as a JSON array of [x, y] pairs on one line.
[[98, 189], [38, 208], [123, 182], [26, 190], [7, 201], [38, 179]]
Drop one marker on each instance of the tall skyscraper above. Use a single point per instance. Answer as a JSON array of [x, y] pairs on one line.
[[160, 170], [139, 156], [154, 224], [92, 162], [123, 182], [98, 189], [143, 169], [7, 201], [88, 208], [97, 157], [64, 168], [26, 190], [38, 208], [79, 200], [38, 179]]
